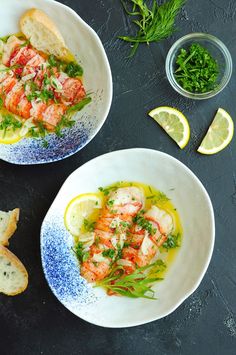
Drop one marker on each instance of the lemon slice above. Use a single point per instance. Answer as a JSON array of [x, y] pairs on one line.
[[10, 136], [80, 208], [174, 123], [219, 134]]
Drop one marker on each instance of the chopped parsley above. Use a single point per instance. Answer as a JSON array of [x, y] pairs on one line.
[[126, 244], [173, 241], [110, 203], [54, 62], [197, 71], [1, 102], [107, 190], [73, 70], [80, 253], [9, 122], [88, 225], [110, 253], [141, 221]]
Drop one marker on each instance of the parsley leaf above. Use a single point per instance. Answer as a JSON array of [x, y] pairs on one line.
[[89, 226], [173, 241], [110, 253], [73, 70], [80, 253], [197, 71], [9, 122], [141, 221]]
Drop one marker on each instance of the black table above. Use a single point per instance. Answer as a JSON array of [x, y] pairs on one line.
[[35, 322]]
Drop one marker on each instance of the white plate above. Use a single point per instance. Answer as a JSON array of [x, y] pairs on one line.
[[184, 275], [87, 48]]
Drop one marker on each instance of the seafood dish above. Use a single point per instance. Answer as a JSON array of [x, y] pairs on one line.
[[39, 92], [126, 245]]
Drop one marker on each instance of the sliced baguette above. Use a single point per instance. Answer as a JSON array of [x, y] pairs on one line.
[[13, 275], [43, 34], [8, 225]]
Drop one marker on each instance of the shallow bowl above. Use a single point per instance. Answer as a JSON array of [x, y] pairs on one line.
[[184, 274]]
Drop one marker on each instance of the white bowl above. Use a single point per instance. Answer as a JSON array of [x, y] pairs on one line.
[[87, 48], [184, 275]]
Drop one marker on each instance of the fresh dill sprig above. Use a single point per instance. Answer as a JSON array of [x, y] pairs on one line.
[[154, 23]]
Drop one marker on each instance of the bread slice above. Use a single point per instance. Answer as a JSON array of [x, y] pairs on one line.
[[13, 275], [8, 224], [43, 34]]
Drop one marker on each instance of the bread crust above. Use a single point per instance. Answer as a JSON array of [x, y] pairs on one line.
[[11, 227], [37, 17], [18, 264], [40, 16]]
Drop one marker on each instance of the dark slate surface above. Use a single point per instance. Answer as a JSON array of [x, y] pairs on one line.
[[35, 322]]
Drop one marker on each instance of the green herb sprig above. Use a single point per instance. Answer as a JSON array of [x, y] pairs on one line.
[[197, 71], [80, 105], [137, 284], [154, 23]]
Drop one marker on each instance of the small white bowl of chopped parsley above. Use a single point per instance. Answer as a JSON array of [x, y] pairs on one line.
[[198, 66]]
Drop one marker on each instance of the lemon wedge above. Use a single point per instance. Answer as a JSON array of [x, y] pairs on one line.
[[80, 208], [219, 134], [9, 137], [174, 123]]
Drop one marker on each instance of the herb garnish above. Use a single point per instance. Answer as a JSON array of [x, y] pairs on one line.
[[80, 253], [110, 253], [73, 70], [80, 105], [154, 23], [197, 70], [88, 225], [140, 220], [9, 122], [173, 241], [159, 197], [65, 122], [137, 284]]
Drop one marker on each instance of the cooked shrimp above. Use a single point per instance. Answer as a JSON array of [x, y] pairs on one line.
[[111, 231], [31, 88], [146, 237]]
